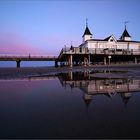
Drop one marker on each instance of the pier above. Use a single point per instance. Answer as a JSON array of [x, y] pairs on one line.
[[19, 58], [105, 51], [84, 56], [81, 56]]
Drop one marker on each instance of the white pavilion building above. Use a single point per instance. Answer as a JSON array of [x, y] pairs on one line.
[[102, 51], [125, 43]]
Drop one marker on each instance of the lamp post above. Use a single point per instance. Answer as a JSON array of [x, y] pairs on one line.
[[109, 57]]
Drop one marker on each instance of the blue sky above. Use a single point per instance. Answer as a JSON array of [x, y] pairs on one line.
[[43, 27]]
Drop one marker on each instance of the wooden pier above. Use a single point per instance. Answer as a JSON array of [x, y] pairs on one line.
[[109, 50], [19, 58], [81, 56], [84, 56]]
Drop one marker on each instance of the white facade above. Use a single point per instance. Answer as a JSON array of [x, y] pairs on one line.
[[104, 51], [111, 43], [86, 37], [125, 43], [127, 38]]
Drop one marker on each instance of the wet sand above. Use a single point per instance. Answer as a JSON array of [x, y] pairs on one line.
[[131, 70]]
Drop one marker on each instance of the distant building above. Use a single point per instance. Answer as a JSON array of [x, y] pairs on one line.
[[102, 51]]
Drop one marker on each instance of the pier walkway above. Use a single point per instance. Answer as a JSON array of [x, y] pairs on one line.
[[81, 56], [19, 58]]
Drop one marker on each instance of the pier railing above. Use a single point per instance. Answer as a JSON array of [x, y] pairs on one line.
[[74, 50], [105, 51], [8, 57], [27, 56], [19, 58]]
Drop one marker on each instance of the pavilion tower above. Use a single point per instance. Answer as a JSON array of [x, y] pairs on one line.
[[87, 34], [125, 35]]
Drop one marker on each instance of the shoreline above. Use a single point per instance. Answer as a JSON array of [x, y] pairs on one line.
[[5, 73]]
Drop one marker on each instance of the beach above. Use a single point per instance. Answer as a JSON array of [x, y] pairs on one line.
[[129, 70]]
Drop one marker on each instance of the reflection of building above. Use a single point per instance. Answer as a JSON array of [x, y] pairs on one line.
[[108, 87], [126, 96]]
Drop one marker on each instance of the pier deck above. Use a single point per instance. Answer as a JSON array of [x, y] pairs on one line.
[[85, 56], [19, 58]]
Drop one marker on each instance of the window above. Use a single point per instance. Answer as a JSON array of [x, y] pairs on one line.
[[80, 49]]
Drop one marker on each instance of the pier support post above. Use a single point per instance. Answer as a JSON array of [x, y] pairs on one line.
[[56, 63], [104, 60], [135, 60], [71, 60], [71, 75], [61, 64], [89, 59], [18, 63], [66, 62], [85, 61]]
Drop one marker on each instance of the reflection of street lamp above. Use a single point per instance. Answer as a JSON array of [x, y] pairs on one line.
[[109, 57]]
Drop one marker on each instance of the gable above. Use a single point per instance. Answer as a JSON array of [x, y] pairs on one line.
[[111, 39]]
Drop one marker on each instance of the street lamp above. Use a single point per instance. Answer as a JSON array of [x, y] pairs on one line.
[[109, 57]]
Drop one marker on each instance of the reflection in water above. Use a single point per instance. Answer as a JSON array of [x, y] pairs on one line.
[[53, 107], [93, 86]]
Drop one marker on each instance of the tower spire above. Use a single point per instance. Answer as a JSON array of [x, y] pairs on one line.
[[71, 43], [125, 35], [126, 23], [86, 22], [87, 34]]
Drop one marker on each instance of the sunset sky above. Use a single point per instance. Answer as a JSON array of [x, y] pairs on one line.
[[43, 27]]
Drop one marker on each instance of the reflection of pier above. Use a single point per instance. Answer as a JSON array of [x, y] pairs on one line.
[[108, 87], [31, 78]]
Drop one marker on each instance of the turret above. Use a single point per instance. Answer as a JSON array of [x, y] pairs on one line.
[[125, 35], [87, 34]]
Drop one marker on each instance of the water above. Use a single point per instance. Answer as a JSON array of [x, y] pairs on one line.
[[26, 63], [69, 105]]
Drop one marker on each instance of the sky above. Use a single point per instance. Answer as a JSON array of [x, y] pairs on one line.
[[44, 27]]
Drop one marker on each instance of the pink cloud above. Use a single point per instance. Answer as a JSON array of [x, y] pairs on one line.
[[12, 43]]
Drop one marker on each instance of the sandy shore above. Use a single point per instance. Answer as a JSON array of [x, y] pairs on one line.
[[132, 70]]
